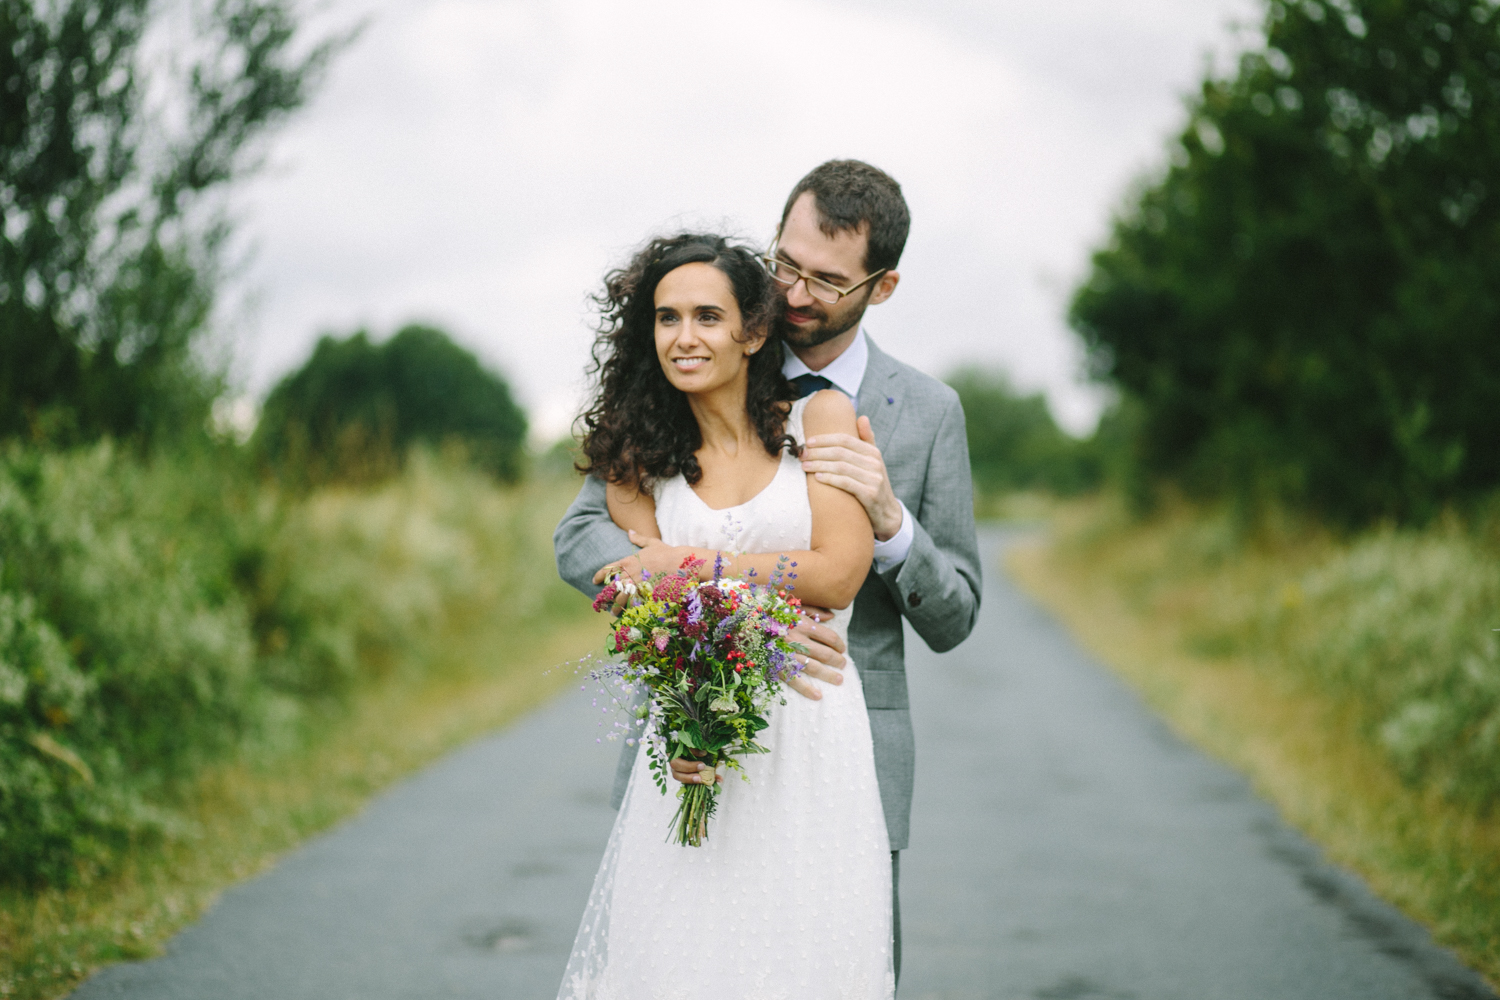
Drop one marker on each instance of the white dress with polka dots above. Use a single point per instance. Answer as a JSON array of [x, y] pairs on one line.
[[790, 896]]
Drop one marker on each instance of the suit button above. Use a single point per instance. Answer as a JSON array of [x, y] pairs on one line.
[[914, 599]]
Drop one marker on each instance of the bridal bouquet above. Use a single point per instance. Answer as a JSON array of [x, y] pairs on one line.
[[711, 658]]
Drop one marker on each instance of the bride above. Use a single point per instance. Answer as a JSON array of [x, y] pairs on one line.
[[694, 429]]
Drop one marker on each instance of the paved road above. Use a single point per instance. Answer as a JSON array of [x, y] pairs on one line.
[[1081, 852]]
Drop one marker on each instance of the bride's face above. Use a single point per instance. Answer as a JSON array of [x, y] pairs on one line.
[[700, 339]]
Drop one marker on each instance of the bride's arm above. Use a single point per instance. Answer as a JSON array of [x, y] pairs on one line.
[[828, 575], [831, 572], [632, 509]]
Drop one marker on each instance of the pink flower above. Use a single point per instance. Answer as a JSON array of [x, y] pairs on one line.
[[606, 597], [670, 589]]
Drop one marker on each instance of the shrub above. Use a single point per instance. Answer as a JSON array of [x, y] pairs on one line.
[[130, 654], [1014, 444], [159, 615], [355, 408]]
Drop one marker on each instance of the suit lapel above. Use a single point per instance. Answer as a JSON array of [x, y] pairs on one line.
[[880, 395]]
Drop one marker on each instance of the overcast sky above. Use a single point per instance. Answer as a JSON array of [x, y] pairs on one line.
[[478, 164]]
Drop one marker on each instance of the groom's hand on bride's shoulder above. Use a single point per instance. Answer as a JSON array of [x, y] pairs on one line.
[[855, 465], [824, 660]]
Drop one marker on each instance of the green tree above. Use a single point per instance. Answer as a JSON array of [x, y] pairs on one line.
[[1306, 306], [109, 241], [355, 407], [1014, 444]]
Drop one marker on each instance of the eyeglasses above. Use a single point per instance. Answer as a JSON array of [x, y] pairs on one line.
[[785, 274]]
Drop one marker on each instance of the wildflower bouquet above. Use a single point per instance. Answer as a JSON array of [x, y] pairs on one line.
[[711, 658]]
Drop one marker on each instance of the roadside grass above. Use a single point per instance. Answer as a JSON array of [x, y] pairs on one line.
[[1296, 656], [1014, 506], [488, 639]]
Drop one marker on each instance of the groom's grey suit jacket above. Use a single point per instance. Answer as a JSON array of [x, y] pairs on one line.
[[919, 428]]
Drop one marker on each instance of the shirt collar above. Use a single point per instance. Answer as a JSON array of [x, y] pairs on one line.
[[846, 371]]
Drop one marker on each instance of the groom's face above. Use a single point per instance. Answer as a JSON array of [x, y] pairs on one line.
[[838, 259]]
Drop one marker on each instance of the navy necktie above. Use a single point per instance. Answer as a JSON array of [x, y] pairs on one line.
[[809, 384]]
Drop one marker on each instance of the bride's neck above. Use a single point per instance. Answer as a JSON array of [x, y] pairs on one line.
[[722, 421]]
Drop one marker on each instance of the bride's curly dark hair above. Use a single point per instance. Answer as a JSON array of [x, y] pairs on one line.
[[639, 428]]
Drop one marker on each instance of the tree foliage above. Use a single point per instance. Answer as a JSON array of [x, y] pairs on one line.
[[1014, 444], [355, 407], [113, 132], [1306, 307]]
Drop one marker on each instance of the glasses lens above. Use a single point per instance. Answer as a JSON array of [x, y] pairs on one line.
[[780, 271], [822, 290]]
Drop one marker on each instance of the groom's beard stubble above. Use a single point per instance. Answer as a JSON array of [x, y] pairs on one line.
[[812, 334]]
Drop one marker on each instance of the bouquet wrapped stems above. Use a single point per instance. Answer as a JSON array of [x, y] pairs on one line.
[[695, 804]]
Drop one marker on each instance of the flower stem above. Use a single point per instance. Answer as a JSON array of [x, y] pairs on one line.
[[695, 804]]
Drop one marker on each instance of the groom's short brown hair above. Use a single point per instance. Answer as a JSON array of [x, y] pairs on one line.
[[853, 196]]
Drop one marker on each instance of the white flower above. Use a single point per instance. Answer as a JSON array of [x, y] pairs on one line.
[[722, 704]]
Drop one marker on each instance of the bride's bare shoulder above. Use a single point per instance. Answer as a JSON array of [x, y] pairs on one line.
[[828, 412]]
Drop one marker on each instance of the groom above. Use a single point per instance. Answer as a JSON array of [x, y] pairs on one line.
[[836, 253]]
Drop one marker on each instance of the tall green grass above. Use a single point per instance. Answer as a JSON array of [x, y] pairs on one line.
[[1397, 624], [158, 616]]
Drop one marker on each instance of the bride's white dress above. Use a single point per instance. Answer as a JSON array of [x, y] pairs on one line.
[[790, 897]]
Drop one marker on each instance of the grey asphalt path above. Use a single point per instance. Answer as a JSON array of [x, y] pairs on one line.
[[1065, 846]]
